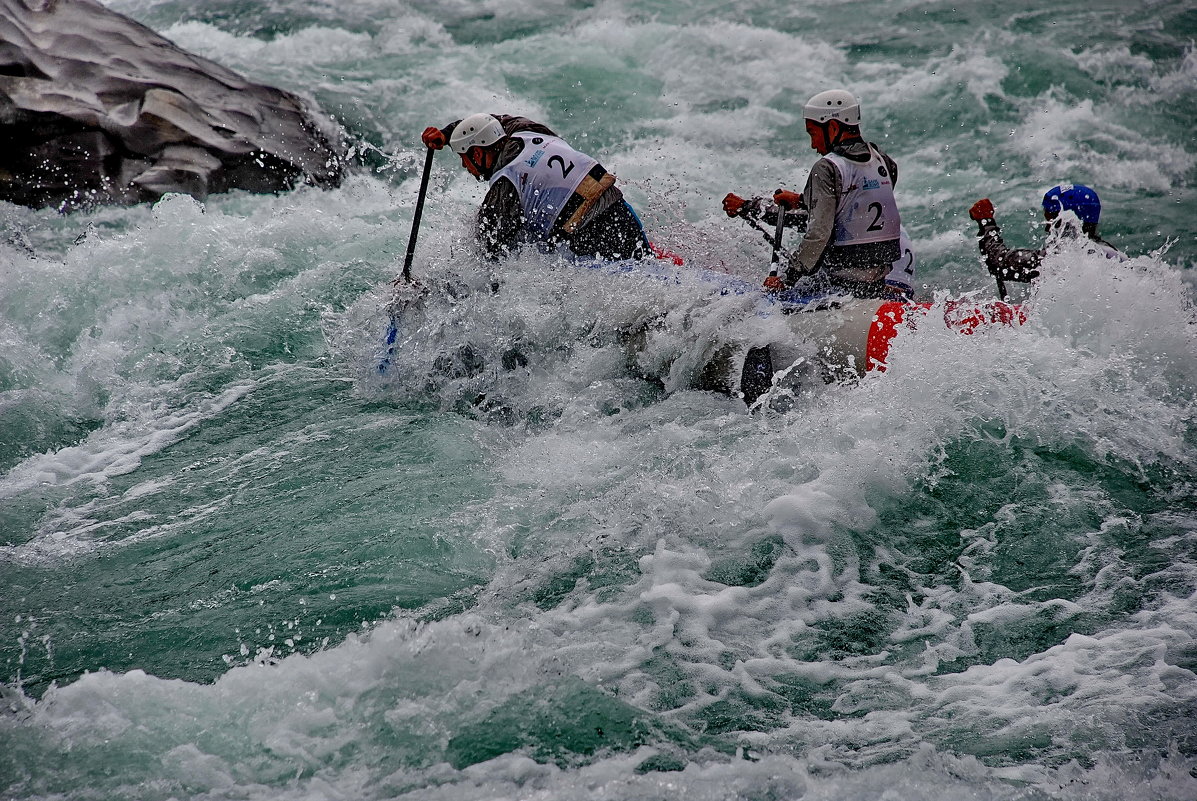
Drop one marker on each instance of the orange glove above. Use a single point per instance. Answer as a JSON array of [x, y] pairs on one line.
[[774, 284], [733, 204], [788, 200], [981, 210], [433, 137]]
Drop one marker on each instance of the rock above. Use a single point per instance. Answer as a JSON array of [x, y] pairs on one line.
[[96, 108]]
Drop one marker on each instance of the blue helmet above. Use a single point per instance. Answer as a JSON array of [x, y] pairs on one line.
[[1077, 198]]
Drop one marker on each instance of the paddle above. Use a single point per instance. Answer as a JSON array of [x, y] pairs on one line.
[[406, 289], [775, 241], [781, 224], [415, 220]]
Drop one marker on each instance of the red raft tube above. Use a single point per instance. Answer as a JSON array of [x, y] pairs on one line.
[[962, 316], [853, 336]]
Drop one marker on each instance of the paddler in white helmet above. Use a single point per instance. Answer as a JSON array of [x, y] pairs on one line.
[[542, 190], [853, 228]]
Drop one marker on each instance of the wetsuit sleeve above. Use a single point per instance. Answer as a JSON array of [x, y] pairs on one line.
[[822, 189], [499, 219], [1008, 264]]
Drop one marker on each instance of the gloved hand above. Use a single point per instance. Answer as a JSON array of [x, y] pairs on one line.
[[774, 284], [981, 210], [734, 205], [433, 137], [794, 270], [788, 200]]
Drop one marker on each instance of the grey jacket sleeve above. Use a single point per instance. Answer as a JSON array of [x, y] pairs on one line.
[[822, 189]]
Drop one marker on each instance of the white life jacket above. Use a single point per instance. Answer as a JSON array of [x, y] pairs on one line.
[[545, 175], [1068, 228], [901, 275], [866, 211], [1107, 250]]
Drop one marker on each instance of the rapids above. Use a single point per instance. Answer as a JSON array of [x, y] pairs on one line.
[[239, 563]]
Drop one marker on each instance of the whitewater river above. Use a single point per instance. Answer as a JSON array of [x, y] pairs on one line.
[[532, 561]]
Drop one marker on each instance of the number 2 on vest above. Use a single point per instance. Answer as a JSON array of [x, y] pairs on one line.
[[565, 171], [876, 224]]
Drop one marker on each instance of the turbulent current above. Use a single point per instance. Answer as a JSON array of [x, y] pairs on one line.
[[533, 558]]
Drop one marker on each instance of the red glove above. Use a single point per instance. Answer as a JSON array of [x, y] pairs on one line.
[[733, 204], [981, 210], [774, 284], [433, 137], [788, 200]]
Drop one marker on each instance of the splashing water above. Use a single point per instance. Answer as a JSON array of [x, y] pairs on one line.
[[531, 559]]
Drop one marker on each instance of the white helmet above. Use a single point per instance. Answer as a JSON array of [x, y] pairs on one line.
[[834, 104], [476, 130]]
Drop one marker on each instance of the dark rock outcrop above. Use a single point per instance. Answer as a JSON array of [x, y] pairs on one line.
[[97, 108]]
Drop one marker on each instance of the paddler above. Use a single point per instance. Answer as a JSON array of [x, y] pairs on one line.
[[542, 190], [853, 227], [1022, 264]]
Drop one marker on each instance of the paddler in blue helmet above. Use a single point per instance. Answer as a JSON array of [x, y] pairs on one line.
[[541, 190], [1022, 264], [853, 228]]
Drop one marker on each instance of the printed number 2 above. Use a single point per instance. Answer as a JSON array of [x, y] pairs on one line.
[[565, 171], [876, 225]]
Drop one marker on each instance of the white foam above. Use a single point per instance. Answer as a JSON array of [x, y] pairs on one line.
[[662, 492], [1062, 138]]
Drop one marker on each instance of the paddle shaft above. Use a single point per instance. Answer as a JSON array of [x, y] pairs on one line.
[[781, 224], [778, 250], [415, 220]]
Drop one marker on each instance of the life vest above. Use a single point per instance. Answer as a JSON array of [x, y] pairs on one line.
[[866, 210], [1105, 249], [1067, 228], [901, 274], [548, 174]]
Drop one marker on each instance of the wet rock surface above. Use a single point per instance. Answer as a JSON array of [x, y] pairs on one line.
[[96, 108]]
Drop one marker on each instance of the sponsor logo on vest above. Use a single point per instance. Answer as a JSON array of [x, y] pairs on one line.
[[870, 184], [535, 158]]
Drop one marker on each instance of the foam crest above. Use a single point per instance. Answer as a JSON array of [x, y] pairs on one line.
[[116, 449], [313, 47], [1063, 137], [971, 575]]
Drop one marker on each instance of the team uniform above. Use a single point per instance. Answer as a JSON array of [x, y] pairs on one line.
[[899, 281], [901, 275], [544, 191], [1022, 264], [854, 228]]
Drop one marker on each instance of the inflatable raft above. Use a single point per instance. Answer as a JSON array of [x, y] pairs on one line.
[[836, 335], [842, 335]]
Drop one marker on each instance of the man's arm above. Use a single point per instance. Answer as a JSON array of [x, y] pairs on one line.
[[1008, 264], [499, 219], [820, 196]]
